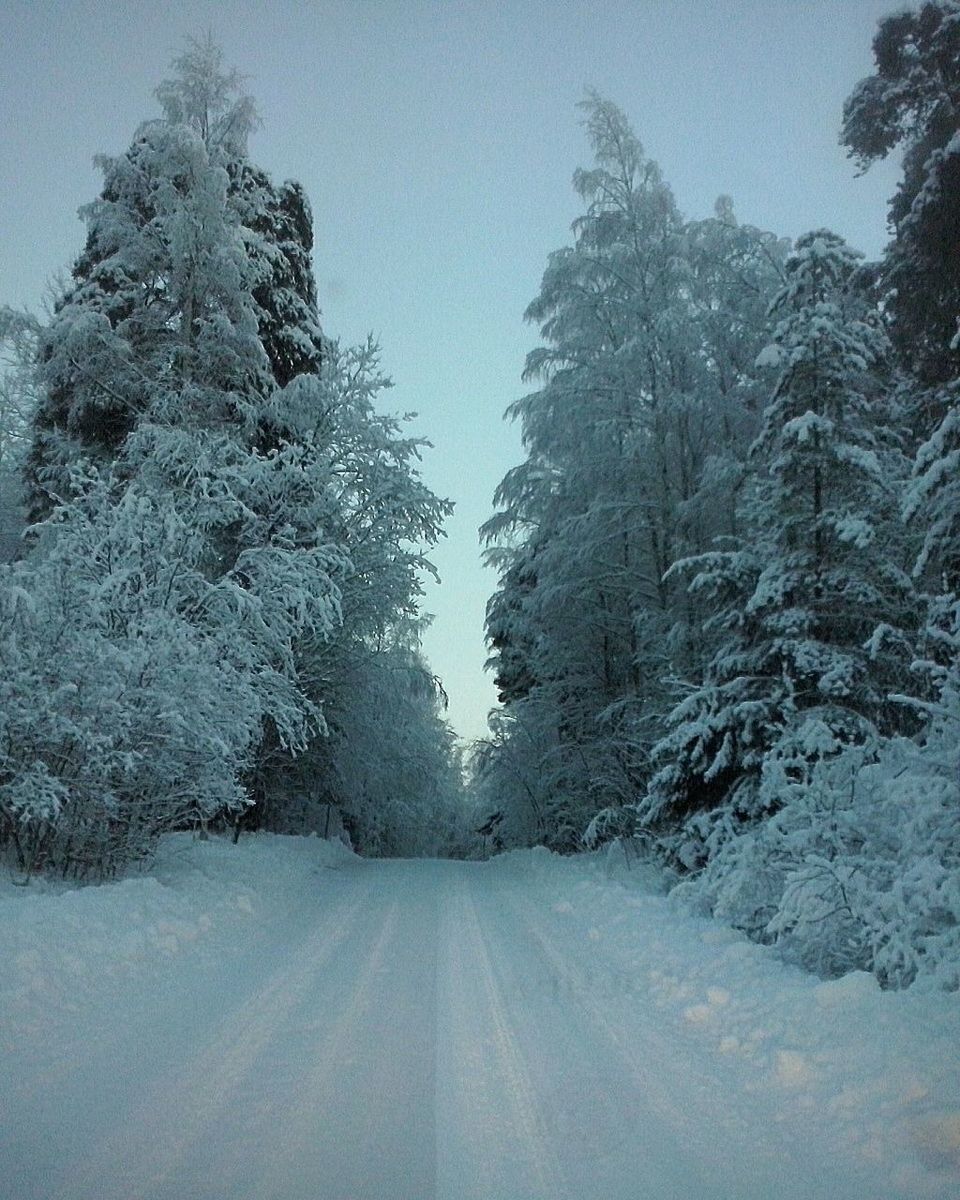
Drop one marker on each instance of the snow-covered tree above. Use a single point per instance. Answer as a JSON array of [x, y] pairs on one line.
[[511, 779], [126, 706], [237, 514], [183, 217], [912, 101], [815, 608], [635, 442], [596, 497], [787, 786], [393, 758], [383, 519], [18, 403]]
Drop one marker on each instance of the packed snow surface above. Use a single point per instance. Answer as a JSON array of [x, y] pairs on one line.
[[282, 1020]]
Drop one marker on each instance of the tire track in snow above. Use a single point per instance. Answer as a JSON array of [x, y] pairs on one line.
[[362, 1124], [284, 1161], [497, 1146], [618, 1124], [654, 1061], [181, 1107]]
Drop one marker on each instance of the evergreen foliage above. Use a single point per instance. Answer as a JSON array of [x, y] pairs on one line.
[[726, 622], [18, 402], [912, 102], [799, 605]]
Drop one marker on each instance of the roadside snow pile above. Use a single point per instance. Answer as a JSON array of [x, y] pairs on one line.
[[59, 946], [879, 1070]]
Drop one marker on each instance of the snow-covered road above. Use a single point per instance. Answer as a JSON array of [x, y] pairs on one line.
[[418, 1030]]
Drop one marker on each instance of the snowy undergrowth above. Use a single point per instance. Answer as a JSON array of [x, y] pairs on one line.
[[857, 866]]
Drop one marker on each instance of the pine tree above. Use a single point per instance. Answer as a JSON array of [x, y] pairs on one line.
[[127, 302], [913, 102], [18, 402]]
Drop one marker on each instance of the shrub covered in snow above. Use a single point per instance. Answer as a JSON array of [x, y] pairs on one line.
[[856, 868]]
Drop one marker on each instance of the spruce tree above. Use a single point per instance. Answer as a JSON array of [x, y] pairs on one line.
[[912, 102], [815, 609]]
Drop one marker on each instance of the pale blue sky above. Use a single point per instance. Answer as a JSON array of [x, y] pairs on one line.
[[437, 142]]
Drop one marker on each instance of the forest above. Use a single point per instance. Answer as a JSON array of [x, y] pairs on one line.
[[726, 632], [727, 623], [211, 615]]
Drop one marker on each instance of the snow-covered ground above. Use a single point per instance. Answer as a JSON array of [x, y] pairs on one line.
[[281, 1020]]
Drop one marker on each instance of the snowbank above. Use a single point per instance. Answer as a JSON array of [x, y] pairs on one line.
[[880, 1069], [63, 946]]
